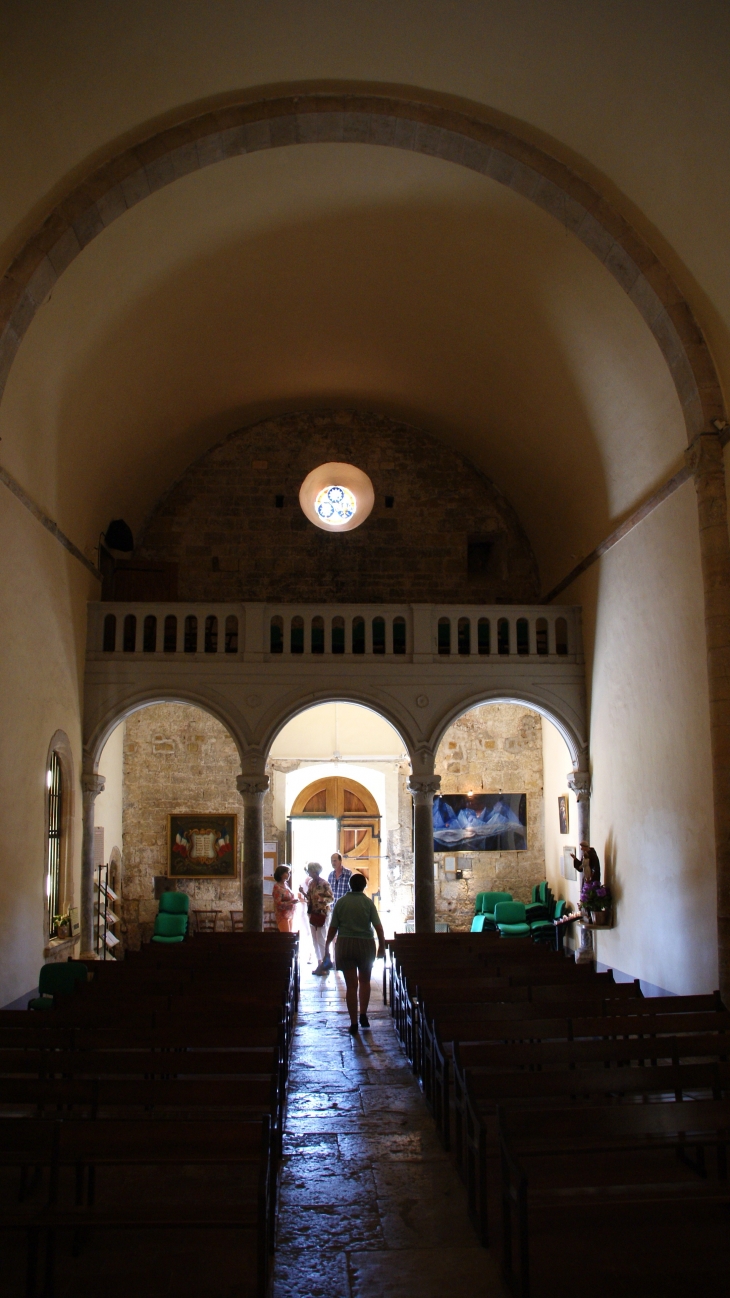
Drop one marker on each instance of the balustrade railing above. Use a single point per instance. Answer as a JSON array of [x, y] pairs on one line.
[[282, 632]]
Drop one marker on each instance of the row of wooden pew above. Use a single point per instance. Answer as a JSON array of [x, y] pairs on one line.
[[149, 1105], [570, 1100]]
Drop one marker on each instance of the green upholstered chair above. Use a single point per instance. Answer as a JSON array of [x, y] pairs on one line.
[[170, 928], [55, 978], [540, 907], [543, 930], [478, 903], [175, 903], [509, 916], [477, 924], [489, 901]]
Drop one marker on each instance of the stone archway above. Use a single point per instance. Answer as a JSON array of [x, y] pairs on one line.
[[390, 120]]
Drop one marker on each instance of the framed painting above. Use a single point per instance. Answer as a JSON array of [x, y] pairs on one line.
[[563, 814], [202, 846], [480, 822]]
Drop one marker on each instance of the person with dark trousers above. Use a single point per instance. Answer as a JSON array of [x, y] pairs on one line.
[[353, 920]]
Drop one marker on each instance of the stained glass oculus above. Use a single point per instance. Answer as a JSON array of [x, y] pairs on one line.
[[335, 505]]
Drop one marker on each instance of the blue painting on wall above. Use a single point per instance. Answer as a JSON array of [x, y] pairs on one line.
[[482, 822]]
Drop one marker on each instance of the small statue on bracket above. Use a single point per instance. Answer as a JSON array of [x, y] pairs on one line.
[[588, 864]]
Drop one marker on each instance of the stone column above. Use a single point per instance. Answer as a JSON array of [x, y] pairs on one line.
[[580, 784], [91, 785], [705, 459], [423, 788], [252, 787]]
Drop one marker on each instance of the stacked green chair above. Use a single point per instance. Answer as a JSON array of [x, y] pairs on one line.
[[543, 930], [510, 919], [57, 978], [171, 923], [492, 900], [541, 905]]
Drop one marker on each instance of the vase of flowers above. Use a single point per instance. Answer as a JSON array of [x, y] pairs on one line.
[[596, 899]]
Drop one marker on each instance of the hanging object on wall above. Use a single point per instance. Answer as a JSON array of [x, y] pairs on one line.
[[563, 814], [201, 846], [480, 822]]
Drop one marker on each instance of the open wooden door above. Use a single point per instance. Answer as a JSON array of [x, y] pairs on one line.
[[358, 817]]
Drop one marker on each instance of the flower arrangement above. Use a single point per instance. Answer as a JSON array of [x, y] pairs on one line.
[[62, 926], [595, 897]]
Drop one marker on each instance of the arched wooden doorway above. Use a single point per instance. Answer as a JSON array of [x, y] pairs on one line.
[[358, 818]]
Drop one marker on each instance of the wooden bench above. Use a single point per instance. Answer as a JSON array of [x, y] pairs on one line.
[[624, 1157]]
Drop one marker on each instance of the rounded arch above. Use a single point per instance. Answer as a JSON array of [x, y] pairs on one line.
[[100, 731], [391, 120], [324, 785], [294, 707], [576, 745]]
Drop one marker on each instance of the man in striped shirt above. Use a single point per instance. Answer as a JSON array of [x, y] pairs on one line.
[[339, 882]]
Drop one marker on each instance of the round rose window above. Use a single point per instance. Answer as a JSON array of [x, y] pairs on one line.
[[337, 497], [335, 505]]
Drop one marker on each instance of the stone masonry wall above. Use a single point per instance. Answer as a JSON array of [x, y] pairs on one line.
[[176, 759], [493, 748], [220, 522], [180, 759]]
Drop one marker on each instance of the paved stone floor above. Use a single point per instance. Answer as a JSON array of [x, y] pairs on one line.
[[370, 1205]]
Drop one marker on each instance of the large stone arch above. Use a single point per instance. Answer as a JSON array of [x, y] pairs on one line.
[[99, 727], [284, 712], [393, 121], [576, 742]]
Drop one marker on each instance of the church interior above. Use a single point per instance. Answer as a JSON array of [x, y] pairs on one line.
[[363, 494]]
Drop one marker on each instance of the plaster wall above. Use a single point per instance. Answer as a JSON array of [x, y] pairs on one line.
[[556, 765], [42, 632], [651, 806], [108, 808]]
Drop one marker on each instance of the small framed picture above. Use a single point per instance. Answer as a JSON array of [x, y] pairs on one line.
[[563, 814], [202, 846]]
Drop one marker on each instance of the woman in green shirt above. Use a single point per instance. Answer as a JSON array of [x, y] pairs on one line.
[[353, 920]]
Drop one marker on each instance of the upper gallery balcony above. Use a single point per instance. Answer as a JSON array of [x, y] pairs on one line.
[[271, 633]]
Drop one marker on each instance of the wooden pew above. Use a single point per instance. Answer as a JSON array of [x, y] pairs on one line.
[[625, 1159]]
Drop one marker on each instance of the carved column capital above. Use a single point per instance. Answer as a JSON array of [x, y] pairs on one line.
[[92, 785], [579, 782], [252, 786], [423, 788]]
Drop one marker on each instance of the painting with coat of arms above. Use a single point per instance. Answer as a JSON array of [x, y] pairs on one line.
[[201, 846]]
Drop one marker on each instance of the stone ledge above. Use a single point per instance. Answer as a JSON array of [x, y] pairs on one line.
[[59, 949]]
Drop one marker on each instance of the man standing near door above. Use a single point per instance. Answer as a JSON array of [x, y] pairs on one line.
[[339, 882]]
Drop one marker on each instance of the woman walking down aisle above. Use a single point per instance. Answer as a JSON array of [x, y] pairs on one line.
[[353, 920], [318, 896], [284, 899]]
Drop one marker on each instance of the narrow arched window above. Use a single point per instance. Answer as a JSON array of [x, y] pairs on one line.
[[276, 635], [317, 635], [358, 635], [444, 635], [523, 635], [338, 635], [191, 634], [211, 635], [170, 641], [561, 635], [110, 633], [541, 635], [54, 781], [231, 634], [297, 635], [464, 635], [503, 636], [129, 641], [399, 635], [483, 635], [149, 634], [378, 635]]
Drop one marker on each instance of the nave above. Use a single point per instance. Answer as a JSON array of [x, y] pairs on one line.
[[370, 1205]]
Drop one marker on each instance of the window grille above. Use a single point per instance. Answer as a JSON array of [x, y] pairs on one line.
[[55, 799]]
